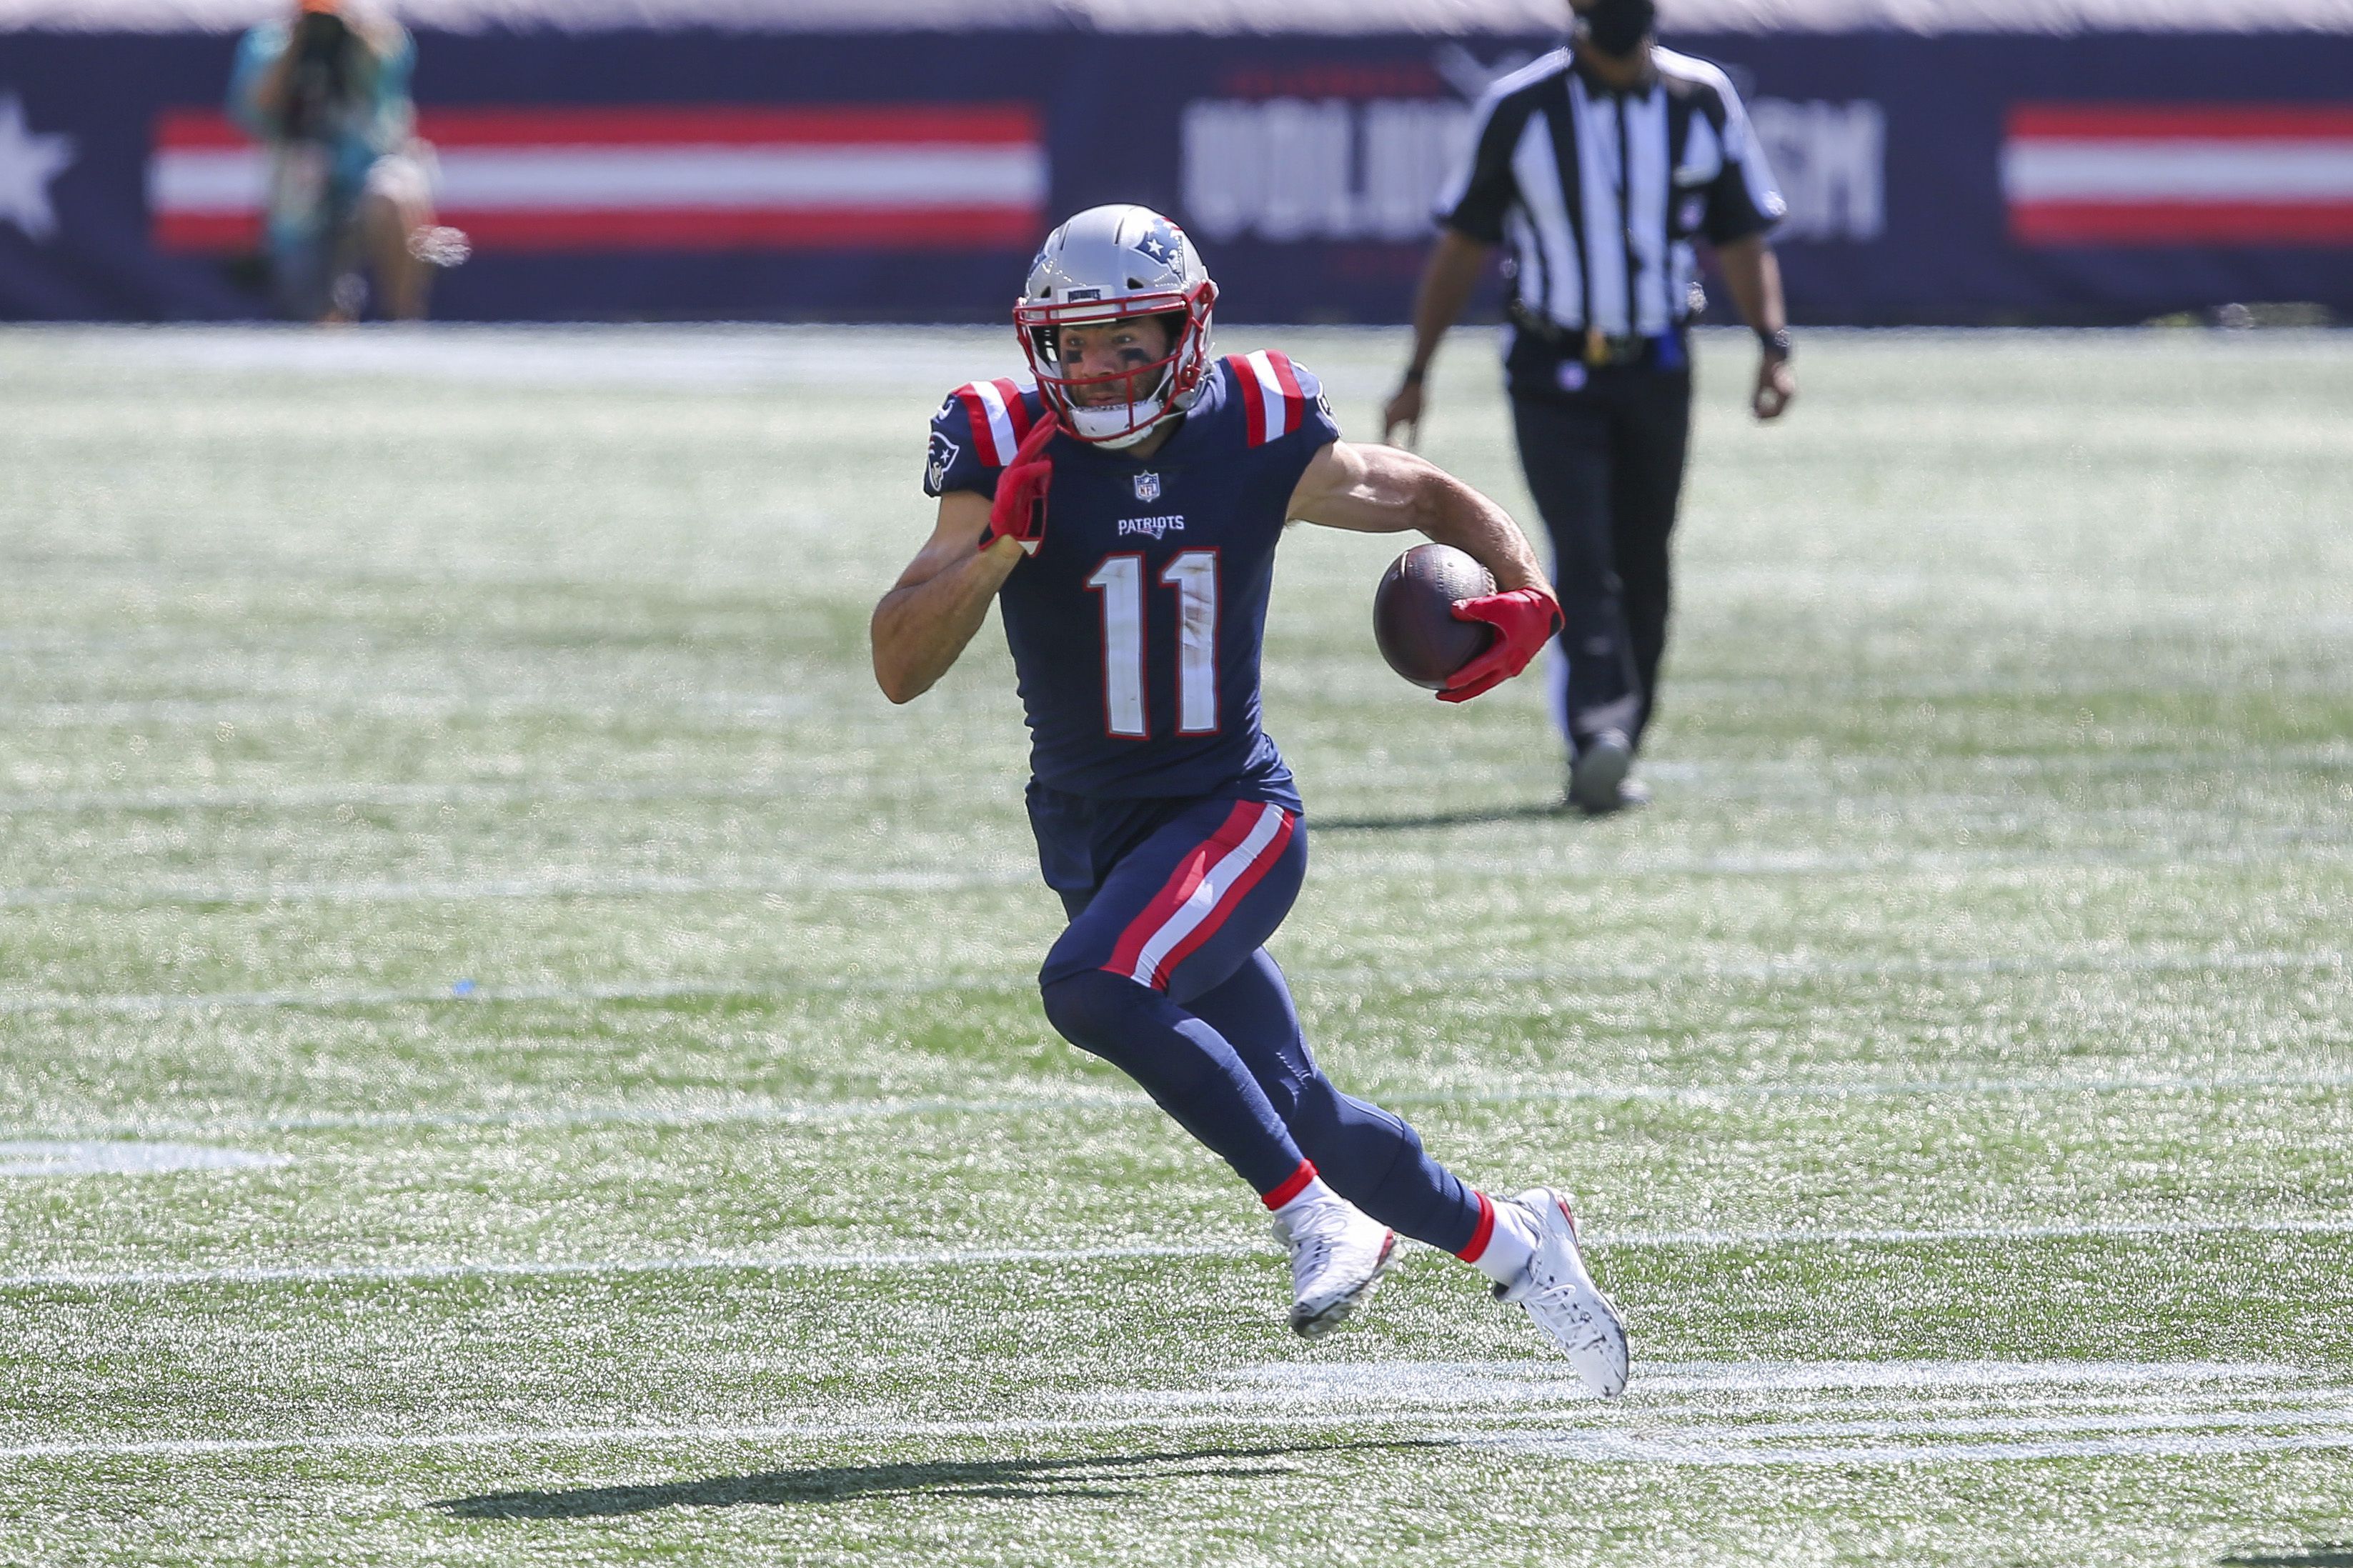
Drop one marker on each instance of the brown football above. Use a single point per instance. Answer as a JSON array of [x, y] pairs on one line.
[[1413, 613]]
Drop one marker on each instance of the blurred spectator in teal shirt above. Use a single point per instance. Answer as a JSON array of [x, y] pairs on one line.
[[350, 183]]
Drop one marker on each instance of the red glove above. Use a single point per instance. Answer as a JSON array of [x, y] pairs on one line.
[[1018, 513], [1524, 619]]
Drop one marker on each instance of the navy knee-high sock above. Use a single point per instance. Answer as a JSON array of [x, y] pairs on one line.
[[1188, 1069], [1367, 1154]]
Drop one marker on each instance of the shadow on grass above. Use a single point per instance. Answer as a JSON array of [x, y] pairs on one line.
[[2322, 1555], [1106, 1476], [1545, 812]]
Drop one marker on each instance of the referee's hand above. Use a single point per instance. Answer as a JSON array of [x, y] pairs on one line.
[[1777, 387], [1404, 409]]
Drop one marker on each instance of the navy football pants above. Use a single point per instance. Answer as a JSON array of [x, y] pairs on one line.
[[1164, 973], [1606, 466]]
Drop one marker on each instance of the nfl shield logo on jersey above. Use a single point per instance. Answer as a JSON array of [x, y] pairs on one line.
[[1147, 487]]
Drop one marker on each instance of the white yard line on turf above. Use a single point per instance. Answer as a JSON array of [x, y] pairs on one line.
[[1614, 1448], [583, 1437], [2270, 846], [1598, 1448], [753, 1262], [659, 1115], [1679, 1410], [44, 1158], [2307, 843], [392, 996], [1701, 970], [1305, 977], [1900, 1237], [2113, 1421], [783, 788], [1903, 1393], [766, 709], [839, 1262], [1517, 1382], [1706, 1094], [818, 1112], [1716, 776], [577, 886]]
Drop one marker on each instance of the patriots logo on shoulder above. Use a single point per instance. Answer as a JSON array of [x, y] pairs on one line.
[[944, 453], [1147, 487]]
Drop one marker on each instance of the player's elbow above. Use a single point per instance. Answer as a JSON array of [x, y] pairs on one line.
[[900, 687], [1435, 502], [897, 679], [894, 672], [1392, 490]]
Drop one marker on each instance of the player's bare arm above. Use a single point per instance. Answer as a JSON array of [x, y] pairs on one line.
[[1753, 277], [925, 622], [1380, 489], [1383, 490]]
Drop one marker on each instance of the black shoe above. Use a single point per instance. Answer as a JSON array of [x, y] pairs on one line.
[[1597, 784]]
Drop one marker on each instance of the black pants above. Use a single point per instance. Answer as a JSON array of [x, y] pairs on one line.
[[1605, 465]]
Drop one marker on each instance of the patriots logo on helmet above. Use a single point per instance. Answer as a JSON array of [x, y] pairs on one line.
[[1162, 243], [1147, 487]]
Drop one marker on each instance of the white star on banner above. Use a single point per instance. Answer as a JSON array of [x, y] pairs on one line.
[[27, 164]]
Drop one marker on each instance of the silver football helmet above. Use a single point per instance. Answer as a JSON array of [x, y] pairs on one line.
[[1112, 264]]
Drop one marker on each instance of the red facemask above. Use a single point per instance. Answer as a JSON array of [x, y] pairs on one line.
[[1145, 393]]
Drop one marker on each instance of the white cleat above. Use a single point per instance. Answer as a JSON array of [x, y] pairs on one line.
[[1562, 1298], [1337, 1254]]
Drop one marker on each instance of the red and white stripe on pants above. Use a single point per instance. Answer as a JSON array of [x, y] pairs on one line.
[[1201, 892]]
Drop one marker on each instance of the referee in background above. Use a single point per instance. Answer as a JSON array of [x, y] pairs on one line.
[[1600, 166]]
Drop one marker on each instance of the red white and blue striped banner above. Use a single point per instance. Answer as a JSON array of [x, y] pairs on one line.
[[631, 172], [651, 178], [2179, 175]]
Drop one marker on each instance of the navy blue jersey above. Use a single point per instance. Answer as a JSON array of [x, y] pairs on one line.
[[1137, 627]]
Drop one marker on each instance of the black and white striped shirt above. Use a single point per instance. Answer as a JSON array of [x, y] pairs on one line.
[[1600, 195]]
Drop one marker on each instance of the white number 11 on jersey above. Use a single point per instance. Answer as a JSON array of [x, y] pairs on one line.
[[1120, 581]]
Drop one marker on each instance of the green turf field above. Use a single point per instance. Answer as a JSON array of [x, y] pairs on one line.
[[512, 1052]]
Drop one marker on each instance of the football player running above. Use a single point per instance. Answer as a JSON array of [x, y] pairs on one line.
[[1125, 511]]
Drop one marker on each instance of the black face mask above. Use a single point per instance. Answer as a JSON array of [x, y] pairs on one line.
[[1615, 27]]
